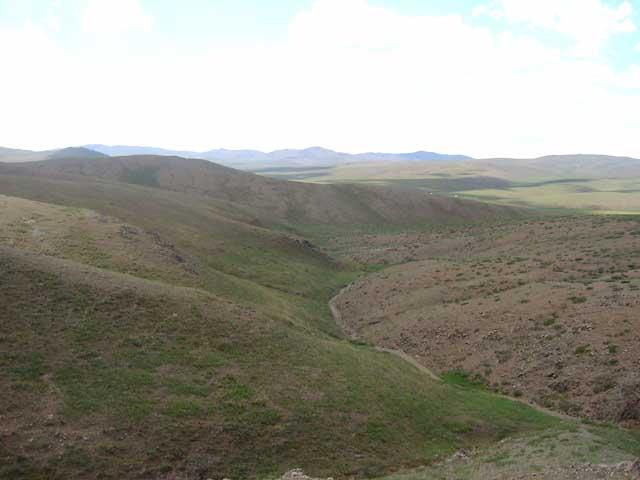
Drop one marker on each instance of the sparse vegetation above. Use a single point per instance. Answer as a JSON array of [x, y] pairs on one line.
[[143, 317], [533, 332]]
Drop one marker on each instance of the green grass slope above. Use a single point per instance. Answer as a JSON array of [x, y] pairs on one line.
[[590, 183], [152, 333], [583, 452], [107, 373]]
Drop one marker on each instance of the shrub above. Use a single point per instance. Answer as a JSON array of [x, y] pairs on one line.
[[578, 299], [582, 349], [603, 384]]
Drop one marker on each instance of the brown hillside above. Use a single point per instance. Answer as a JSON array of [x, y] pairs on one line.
[[547, 310], [160, 333], [268, 199]]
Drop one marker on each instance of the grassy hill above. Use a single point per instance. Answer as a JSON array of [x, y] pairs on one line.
[[585, 453], [543, 310], [268, 200], [511, 169], [168, 318], [108, 373], [580, 182], [162, 331], [563, 166]]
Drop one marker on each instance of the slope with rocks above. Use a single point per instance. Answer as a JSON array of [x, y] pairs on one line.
[[584, 453], [540, 309]]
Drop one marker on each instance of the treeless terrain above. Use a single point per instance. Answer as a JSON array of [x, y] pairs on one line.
[[513, 169], [163, 331], [169, 319], [543, 309], [268, 200], [587, 183]]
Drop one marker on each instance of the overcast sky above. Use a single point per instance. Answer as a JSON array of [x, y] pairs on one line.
[[479, 77]]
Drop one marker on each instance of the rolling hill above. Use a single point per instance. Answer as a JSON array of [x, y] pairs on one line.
[[157, 321], [561, 166], [268, 200], [510, 169], [544, 310], [579, 182], [163, 317]]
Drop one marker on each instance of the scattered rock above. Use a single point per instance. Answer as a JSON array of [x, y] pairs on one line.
[[631, 410], [459, 456], [298, 474], [128, 232]]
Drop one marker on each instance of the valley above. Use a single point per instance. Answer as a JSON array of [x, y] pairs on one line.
[[533, 309], [570, 183], [320, 240], [170, 318]]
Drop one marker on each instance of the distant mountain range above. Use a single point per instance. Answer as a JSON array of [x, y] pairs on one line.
[[255, 160], [287, 158], [309, 161]]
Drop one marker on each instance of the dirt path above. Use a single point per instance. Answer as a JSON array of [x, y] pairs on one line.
[[337, 316], [410, 359]]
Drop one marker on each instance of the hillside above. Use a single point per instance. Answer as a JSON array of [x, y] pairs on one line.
[[580, 182], [153, 333], [562, 166], [268, 200], [585, 453], [168, 318], [544, 310], [509, 169], [320, 240]]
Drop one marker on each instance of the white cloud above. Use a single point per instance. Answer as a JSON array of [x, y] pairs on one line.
[[115, 16], [390, 83], [589, 23]]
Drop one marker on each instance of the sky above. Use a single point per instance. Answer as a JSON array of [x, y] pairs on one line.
[[486, 78]]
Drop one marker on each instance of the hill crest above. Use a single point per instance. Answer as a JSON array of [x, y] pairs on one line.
[[269, 200]]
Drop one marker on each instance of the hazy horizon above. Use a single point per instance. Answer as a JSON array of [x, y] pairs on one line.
[[399, 152]]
